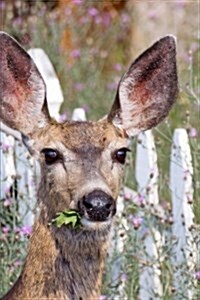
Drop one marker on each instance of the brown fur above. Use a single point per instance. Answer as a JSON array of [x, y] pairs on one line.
[[66, 263], [63, 263]]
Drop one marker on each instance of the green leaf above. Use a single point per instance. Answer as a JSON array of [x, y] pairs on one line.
[[70, 217]]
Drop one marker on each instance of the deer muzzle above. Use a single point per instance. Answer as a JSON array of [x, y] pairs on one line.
[[97, 206]]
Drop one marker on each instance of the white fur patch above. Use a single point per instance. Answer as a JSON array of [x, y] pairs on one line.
[[95, 225]]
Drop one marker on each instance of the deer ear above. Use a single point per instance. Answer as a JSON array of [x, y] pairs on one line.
[[22, 89], [147, 91]]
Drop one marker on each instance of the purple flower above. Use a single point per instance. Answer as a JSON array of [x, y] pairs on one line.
[[127, 196], [102, 297], [17, 21], [93, 12], [78, 2], [62, 117], [7, 190], [85, 107], [117, 67], [68, 11], [84, 20], [75, 53], [79, 86], [193, 133], [185, 56], [24, 230], [17, 263], [2, 5], [152, 14], [112, 86], [197, 275], [5, 147], [98, 19], [139, 199], [136, 221], [125, 18], [7, 202], [123, 277], [106, 19], [5, 229], [94, 51], [189, 198], [180, 4]]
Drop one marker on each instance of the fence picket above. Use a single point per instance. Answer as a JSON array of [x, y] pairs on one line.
[[182, 195], [54, 91], [7, 164], [79, 114], [147, 175], [26, 187]]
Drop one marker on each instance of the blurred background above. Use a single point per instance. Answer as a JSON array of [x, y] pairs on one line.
[[91, 44]]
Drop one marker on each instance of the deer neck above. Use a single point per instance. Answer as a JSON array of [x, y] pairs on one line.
[[63, 263]]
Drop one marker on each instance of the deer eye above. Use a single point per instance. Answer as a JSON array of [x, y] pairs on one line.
[[50, 155], [120, 155]]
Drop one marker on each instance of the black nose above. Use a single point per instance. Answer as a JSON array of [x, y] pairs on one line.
[[98, 206]]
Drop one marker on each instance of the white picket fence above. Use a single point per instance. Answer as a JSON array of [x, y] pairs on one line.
[[184, 248], [16, 164]]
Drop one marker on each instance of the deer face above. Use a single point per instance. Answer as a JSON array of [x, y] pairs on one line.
[[82, 166], [82, 162]]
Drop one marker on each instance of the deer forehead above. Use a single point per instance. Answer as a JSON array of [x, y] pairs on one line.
[[81, 136]]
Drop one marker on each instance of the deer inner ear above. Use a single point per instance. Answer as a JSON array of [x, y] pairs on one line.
[[149, 88]]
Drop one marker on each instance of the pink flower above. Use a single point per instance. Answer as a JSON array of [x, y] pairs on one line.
[[62, 117], [84, 20], [5, 229], [136, 221], [127, 196], [152, 14], [78, 2], [189, 198], [140, 199], [7, 190], [2, 5], [17, 21], [5, 147], [102, 297], [17, 263], [75, 53], [7, 202], [117, 67], [125, 18], [85, 107], [93, 12], [24, 230], [79, 86], [193, 133], [180, 4], [98, 19], [123, 277], [106, 19], [197, 275], [112, 86], [68, 11]]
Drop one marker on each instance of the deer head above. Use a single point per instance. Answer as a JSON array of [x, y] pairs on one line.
[[82, 162]]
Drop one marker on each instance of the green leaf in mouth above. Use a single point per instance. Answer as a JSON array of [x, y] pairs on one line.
[[67, 217]]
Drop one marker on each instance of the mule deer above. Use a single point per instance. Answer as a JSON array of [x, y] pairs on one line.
[[81, 165]]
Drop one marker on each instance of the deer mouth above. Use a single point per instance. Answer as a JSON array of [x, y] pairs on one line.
[[96, 207]]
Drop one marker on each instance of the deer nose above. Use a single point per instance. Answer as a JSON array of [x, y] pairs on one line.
[[98, 206]]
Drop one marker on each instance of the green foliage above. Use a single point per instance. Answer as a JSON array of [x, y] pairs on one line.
[[68, 217], [13, 243]]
